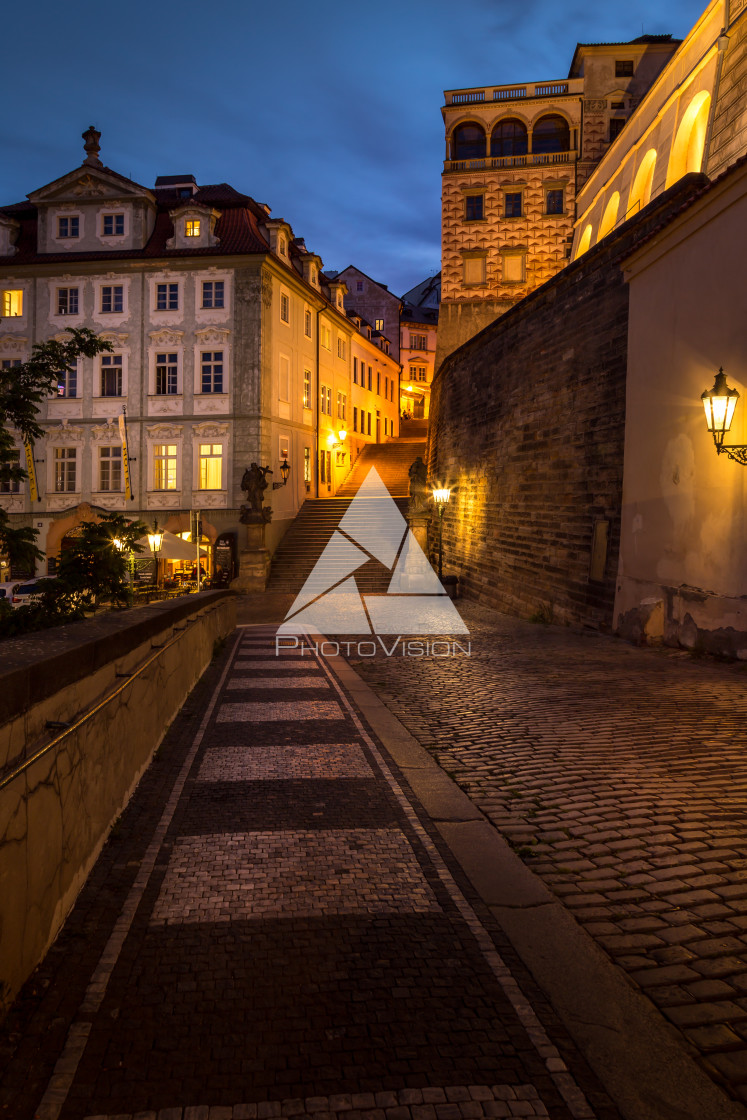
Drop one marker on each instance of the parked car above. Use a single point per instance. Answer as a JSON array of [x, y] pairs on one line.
[[6, 591], [28, 592]]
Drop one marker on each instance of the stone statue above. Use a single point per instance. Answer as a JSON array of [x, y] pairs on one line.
[[418, 474], [255, 483]]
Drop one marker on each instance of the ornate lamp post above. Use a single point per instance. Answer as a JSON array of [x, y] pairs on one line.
[[719, 404], [155, 540], [441, 495]]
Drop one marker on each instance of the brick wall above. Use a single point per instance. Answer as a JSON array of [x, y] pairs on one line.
[[527, 423]]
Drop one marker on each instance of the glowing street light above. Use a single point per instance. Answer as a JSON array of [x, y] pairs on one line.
[[441, 495]]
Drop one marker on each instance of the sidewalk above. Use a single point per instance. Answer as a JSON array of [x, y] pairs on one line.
[[619, 776], [277, 928]]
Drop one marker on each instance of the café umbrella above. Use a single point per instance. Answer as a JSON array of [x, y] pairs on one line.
[[172, 548]]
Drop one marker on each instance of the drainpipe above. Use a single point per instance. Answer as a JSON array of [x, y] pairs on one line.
[[318, 447]]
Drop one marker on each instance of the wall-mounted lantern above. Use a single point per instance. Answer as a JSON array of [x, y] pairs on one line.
[[285, 471], [719, 404]]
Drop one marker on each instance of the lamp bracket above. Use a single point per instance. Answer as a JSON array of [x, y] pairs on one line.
[[278, 485], [736, 451]]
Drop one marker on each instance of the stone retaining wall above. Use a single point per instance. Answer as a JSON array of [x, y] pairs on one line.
[[118, 681]]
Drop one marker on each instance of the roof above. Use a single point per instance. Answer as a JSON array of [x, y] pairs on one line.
[[425, 294]]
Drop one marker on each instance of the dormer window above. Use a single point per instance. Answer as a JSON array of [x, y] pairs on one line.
[[192, 227], [282, 247], [68, 227], [113, 225], [313, 276]]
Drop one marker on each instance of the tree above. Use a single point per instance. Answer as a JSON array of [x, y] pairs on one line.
[[94, 568], [22, 389]]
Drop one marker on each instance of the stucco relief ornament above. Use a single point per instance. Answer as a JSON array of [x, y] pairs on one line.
[[255, 483]]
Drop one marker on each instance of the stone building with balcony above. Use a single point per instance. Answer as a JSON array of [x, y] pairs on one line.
[[229, 345], [516, 156]]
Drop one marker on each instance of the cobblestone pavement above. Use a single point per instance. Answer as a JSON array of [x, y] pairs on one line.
[[276, 929], [619, 775]]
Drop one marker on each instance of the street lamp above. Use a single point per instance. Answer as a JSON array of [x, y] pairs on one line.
[[155, 540], [441, 495], [719, 404]]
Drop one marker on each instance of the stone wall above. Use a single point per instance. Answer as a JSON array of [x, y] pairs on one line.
[[118, 681], [528, 425]]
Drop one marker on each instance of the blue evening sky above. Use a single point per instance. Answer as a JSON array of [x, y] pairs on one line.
[[328, 112]]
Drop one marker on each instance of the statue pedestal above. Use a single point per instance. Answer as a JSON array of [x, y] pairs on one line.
[[414, 580], [254, 559]]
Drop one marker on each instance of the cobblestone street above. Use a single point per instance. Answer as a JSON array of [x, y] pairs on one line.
[[619, 776], [277, 928]]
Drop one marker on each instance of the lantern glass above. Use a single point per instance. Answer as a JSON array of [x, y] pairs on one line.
[[719, 404], [441, 495], [285, 470]]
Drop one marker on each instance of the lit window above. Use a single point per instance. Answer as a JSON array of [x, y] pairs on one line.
[[65, 463], [167, 297], [164, 466], [11, 485], [513, 204], [555, 201], [68, 227], [379, 325], [112, 298], [285, 307], [192, 227], [110, 468], [12, 303], [211, 466], [624, 69], [307, 467], [326, 337], [212, 293], [325, 394], [167, 375], [67, 382], [473, 208], [342, 406], [307, 323], [111, 375], [212, 371], [113, 225], [67, 301], [341, 350], [307, 388]]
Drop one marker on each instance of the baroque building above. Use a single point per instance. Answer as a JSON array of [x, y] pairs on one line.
[[230, 345], [516, 156]]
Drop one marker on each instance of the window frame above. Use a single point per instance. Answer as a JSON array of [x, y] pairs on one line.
[[112, 289], [169, 290], [206, 458], [210, 359], [213, 305], [508, 206], [112, 364], [111, 455], [470, 201], [62, 457], [165, 459]]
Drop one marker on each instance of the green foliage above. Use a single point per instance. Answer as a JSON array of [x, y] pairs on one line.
[[35, 616], [22, 390], [94, 568]]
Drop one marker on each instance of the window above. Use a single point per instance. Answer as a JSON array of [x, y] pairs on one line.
[[11, 485], [281, 246], [111, 375], [378, 382], [355, 419], [341, 349], [192, 227], [325, 394], [386, 388], [514, 268], [10, 363], [112, 298], [474, 270], [164, 466], [167, 378], [285, 307], [509, 138], [555, 201], [284, 378], [65, 463], [307, 467], [418, 373], [67, 301], [359, 285], [386, 426], [624, 69], [342, 406], [370, 378], [211, 466], [418, 342], [473, 208], [113, 225], [167, 297], [378, 324], [326, 337], [617, 124], [212, 293], [67, 382], [68, 227], [551, 134], [513, 204], [468, 142], [307, 323], [12, 303], [617, 104], [110, 468], [307, 388], [212, 371], [355, 371], [369, 423]]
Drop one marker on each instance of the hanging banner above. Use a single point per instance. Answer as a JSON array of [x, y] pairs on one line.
[[125, 454], [31, 471]]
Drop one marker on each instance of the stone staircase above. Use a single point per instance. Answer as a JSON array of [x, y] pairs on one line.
[[392, 461], [306, 539]]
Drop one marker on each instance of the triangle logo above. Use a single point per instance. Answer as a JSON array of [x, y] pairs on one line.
[[415, 602]]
